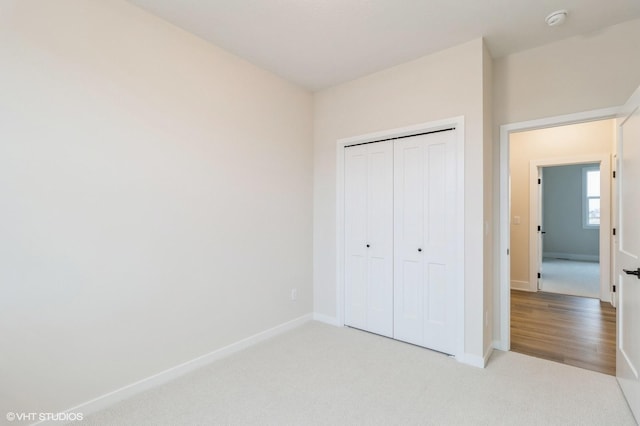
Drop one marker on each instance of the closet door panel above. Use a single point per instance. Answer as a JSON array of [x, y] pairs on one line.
[[439, 254], [380, 238], [439, 257], [435, 237], [355, 215], [408, 224], [425, 213], [369, 237]]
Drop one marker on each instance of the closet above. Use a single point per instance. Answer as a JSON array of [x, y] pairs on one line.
[[400, 211]]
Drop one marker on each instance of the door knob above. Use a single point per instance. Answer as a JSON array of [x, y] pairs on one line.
[[368, 246], [636, 272], [419, 249]]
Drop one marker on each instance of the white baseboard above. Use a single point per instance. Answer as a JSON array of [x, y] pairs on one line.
[[472, 360], [519, 285], [487, 355], [179, 370], [500, 345], [475, 360], [573, 256], [326, 319]]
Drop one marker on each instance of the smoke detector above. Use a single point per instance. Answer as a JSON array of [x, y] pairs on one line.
[[556, 18]]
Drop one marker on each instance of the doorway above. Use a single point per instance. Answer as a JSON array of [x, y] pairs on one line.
[[570, 207], [576, 149], [544, 274], [504, 201]]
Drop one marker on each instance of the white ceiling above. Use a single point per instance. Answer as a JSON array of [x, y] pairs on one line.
[[320, 43]]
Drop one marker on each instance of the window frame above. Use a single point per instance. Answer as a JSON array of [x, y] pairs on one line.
[[586, 197]]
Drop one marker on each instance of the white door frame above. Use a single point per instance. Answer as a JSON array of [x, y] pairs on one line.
[[604, 161], [503, 258], [432, 126]]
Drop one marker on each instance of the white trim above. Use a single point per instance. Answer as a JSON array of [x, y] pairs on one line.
[[497, 345], [505, 131], [459, 238], [535, 213], [520, 285], [326, 319], [487, 355], [572, 256], [458, 123], [472, 360], [108, 399], [614, 222]]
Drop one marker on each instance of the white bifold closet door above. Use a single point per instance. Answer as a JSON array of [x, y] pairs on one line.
[[369, 237], [424, 229]]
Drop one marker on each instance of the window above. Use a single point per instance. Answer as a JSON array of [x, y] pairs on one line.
[[591, 197]]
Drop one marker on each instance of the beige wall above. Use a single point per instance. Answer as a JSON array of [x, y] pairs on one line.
[[559, 143], [156, 200], [582, 73], [446, 84]]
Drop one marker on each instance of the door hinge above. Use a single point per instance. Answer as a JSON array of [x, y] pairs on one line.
[[614, 231], [614, 174], [539, 275], [614, 288], [539, 181], [539, 228], [507, 252]]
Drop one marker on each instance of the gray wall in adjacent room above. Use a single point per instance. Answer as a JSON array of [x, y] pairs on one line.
[[562, 213]]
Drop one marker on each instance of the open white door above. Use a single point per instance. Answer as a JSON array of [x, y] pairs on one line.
[[628, 262]]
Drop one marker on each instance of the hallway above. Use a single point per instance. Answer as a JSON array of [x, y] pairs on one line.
[[572, 330]]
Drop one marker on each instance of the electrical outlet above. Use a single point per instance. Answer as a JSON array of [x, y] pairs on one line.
[[294, 294]]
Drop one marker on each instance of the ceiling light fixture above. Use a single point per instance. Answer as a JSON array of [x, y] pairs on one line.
[[556, 18]]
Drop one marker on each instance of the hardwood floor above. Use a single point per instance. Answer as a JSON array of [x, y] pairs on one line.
[[567, 329]]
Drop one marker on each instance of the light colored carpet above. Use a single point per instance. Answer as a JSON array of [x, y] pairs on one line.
[[324, 375], [571, 277]]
